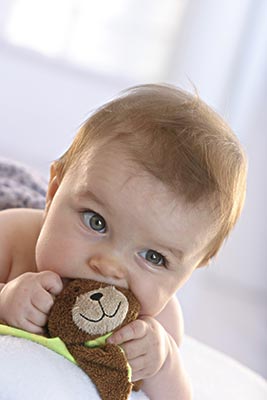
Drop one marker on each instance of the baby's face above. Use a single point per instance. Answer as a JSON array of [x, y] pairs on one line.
[[112, 222]]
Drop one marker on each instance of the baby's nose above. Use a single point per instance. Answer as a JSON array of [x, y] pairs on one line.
[[108, 267]]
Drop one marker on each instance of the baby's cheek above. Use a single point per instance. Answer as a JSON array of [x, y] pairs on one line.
[[47, 257], [149, 305]]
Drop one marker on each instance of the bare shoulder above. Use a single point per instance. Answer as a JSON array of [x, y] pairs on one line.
[[171, 318], [19, 230], [17, 220]]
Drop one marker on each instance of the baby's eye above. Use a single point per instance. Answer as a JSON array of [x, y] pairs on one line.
[[94, 221], [153, 257]]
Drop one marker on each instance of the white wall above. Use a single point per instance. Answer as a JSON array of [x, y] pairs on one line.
[[42, 104]]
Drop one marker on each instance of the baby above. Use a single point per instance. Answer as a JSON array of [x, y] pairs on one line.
[[151, 186]]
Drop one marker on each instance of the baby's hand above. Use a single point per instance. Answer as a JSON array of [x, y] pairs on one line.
[[25, 302], [146, 346]]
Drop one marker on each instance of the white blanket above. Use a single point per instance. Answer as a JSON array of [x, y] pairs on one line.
[[32, 372], [216, 376]]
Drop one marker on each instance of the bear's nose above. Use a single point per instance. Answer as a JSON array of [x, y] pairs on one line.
[[96, 296]]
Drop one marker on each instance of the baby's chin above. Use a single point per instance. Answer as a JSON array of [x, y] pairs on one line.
[[150, 311]]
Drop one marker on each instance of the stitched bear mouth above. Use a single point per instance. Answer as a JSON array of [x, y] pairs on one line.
[[100, 310], [104, 314]]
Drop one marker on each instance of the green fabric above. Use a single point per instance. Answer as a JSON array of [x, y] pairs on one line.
[[56, 344], [98, 342]]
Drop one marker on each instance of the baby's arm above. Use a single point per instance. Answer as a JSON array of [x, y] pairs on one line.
[[152, 348], [171, 382], [26, 296]]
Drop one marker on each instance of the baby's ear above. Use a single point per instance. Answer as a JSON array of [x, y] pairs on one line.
[[52, 186]]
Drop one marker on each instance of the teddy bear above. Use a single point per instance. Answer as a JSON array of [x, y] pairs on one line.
[[83, 316]]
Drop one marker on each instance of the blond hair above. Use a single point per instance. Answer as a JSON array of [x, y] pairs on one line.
[[176, 137]]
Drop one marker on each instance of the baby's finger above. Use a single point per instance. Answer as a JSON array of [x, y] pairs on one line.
[[51, 282], [42, 300], [139, 370], [137, 364], [134, 348], [36, 317], [134, 330], [30, 327]]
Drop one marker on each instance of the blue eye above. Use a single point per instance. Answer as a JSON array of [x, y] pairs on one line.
[[94, 221], [153, 257]]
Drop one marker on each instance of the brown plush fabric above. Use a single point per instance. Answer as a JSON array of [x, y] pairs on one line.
[[86, 310]]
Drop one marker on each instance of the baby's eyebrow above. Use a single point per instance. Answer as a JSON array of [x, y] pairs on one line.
[[87, 193], [100, 200], [177, 253]]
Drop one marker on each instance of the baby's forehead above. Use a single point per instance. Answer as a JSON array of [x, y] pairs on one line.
[[114, 168]]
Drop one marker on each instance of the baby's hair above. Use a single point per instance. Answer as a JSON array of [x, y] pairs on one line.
[[180, 140]]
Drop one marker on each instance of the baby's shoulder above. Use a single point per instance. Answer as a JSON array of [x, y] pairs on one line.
[[15, 221], [20, 228], [19, 231]]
